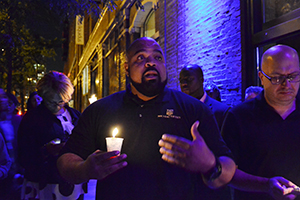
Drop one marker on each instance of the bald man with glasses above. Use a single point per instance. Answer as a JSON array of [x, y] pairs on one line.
[[264, 132]]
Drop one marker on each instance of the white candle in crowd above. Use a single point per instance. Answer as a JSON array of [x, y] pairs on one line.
[[113, 143]]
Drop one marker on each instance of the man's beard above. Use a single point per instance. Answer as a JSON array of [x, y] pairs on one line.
[[149, 88]]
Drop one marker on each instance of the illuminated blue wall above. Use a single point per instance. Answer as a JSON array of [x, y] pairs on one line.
[[206, 33]]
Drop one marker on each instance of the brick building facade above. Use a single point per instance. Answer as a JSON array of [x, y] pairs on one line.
[[225, 37]]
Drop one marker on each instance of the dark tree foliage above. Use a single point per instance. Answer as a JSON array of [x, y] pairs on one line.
[[21, 44]]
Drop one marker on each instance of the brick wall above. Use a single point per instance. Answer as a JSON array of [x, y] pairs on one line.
[[206, 33]]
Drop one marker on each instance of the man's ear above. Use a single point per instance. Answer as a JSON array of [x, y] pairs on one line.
[[126, 68], [260, 75]]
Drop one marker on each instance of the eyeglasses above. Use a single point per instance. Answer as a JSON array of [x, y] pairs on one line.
[[277, 80], [61, 103]]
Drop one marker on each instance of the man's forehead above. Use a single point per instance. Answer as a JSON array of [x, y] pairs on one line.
[[143, 45], [185, 72]]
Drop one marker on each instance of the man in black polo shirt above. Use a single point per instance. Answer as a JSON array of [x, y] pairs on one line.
[[143, 114], [264, 132]]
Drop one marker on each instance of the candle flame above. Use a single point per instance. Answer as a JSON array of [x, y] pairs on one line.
[[115, 132]]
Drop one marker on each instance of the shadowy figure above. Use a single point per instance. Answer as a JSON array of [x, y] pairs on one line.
[[252, 91], [33, 101], [9, 124]]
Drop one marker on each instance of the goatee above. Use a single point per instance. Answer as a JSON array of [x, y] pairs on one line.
[[152, 87]]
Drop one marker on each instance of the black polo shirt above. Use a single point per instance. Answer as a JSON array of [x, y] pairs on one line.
[[142, 124], [263, 143]]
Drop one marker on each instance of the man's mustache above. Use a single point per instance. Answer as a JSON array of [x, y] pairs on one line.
[[151, 69]]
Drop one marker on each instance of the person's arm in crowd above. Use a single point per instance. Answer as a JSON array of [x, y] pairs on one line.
[[277, 187], [5, 161], [97, 166], [195, 156]]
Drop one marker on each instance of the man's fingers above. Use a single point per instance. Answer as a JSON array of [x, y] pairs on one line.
[[172, 160], [105, 155], [285, 182], [117, 166], [171, 140], [171, 153], [108, 158], [164, 144]]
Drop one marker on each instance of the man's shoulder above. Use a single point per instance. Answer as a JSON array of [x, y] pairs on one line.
[[246, 106], [108, 101], [112, 97], [217, 105], [175, 94]]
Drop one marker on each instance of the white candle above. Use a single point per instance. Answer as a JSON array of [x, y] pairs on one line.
[[113, 143]]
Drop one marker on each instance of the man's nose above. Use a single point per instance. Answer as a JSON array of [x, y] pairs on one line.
[[286, 82], [150, 62]]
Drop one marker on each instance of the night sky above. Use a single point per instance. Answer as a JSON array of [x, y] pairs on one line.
[[48, 28]]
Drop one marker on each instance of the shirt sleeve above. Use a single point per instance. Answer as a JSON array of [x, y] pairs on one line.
[[210, 132], [82, 141]]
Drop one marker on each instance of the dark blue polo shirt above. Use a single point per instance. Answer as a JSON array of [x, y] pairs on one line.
[[142, 124], [263, 143]]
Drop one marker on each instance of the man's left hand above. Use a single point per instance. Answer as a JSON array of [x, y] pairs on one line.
[[193, 155]]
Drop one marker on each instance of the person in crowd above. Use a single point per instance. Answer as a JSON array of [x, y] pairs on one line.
[[9, 125], [143, 113], [191, 82], [252, 91], [42, 133], [11, 129], [263, 132], [33, 101], [5, 161], [212, 90]]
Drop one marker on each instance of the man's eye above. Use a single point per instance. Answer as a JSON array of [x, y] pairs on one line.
[[140, 57], [294, 76], [158, 58], [279, 78]]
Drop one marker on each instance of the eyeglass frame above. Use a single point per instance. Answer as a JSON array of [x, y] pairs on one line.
[[286, 77], [61, 103]]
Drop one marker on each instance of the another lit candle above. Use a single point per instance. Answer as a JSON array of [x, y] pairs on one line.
[[113, 143]]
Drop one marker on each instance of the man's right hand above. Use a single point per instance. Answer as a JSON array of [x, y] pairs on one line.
[[281, 188], [101, 164]]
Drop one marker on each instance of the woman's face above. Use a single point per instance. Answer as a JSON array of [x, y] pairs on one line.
[[54, 102], [36, 100]]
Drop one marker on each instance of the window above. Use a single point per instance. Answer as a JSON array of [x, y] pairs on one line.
[[274, 9], [85, 81], [149, 26]]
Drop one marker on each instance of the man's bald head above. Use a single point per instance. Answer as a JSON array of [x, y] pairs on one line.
[[278, 53]]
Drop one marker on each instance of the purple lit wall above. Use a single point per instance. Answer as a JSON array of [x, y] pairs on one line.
[[206, 33]]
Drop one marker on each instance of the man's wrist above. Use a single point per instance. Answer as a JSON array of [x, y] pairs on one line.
[[214, 172]]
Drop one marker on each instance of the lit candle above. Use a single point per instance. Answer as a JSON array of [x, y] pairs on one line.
[[113, 143]]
